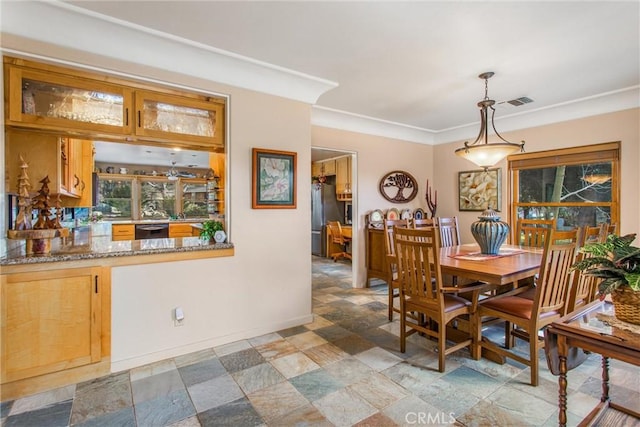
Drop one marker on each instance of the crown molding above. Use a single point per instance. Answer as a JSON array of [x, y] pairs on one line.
[[68, 26], [609, 102]]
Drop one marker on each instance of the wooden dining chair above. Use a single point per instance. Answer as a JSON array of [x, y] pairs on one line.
[[392, 268], [449, 232], [337, 238], [423, 292], [584, 288], [549, 301], [530, 232], [423, 222]]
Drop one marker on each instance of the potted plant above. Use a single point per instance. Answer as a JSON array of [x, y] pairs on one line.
[[617, 262], [210, 228]]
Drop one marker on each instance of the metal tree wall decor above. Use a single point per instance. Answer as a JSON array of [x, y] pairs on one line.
[[398, 187]]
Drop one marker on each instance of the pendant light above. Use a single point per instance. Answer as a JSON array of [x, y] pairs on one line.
[[480, 151]]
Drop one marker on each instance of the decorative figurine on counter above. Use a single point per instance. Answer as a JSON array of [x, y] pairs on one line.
[[23, 219], [432, 202], [41, 203]]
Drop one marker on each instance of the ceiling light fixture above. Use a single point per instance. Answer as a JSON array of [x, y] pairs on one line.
[[172, 175], [480, 151]]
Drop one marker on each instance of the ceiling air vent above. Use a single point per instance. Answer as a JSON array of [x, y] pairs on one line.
[[520, 101]]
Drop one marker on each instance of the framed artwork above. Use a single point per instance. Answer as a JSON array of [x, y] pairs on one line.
[[273, 183], [479, 189]]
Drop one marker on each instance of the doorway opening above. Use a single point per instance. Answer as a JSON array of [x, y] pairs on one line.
[[333, 195]]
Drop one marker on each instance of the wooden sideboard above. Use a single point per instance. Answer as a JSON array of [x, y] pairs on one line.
[[375, 257]]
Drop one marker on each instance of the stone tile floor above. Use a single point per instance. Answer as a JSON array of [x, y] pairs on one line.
[[344, 369]]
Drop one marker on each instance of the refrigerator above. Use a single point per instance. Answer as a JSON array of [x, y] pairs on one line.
[[324, 207]]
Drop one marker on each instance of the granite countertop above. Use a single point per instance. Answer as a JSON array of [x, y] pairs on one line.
[[94, 242]]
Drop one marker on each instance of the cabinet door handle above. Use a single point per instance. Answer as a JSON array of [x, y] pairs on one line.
[[126, 116], [95, 280], [139, 118], [77, 181], [83, 185]]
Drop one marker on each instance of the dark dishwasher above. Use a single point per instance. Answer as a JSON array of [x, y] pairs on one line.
[[152, 231]]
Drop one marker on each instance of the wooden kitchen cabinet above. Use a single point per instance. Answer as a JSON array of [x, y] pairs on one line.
[[66, 161], [123, 232], [59, 99], [49, 100], [343, 178], [180, 230], [184, 120], [323, 167], [52, 321]]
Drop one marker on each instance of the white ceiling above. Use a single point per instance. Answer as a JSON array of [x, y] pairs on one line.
[[416, 63]]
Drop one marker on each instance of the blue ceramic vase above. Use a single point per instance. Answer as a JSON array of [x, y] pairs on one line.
[[490, 232]]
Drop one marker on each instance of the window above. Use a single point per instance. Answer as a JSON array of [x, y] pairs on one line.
[[576, 186], [153, 198], [114, 198], [157, 198]]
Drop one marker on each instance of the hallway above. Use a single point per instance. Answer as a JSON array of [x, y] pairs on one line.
[[343, 369]]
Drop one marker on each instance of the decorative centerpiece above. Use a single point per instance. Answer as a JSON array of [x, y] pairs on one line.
[[617, 262], [490, 232], [37, 236]]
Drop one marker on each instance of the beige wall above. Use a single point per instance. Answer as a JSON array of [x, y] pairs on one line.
[[375, 156], [621, 126], [266, 286]]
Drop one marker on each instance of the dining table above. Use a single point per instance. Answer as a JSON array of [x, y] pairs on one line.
[[511, 264]]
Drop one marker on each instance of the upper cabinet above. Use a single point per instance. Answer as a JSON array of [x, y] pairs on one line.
[[177, 118], [343, 178], [58, 99], [323, 167], [67, 162], [50, 100]]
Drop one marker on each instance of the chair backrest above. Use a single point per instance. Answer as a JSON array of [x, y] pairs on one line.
[[584, 288], [417, 255], [388, 233], [555, 272], [449, 232], [423, 222], [531, 233], [335, 231]]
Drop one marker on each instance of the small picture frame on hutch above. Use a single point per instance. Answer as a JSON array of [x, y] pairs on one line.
[[273, 179]]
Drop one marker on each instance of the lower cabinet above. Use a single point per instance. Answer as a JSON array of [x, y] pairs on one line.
[[53, 321], [123, 232], [180, 230]]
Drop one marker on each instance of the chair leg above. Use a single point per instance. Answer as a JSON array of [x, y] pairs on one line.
[[442, 345], [403, 332], [509, 340], [533, 354], [476, 330], [390, 303]]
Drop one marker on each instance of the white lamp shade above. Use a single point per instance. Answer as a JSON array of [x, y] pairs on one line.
[[487, 155]]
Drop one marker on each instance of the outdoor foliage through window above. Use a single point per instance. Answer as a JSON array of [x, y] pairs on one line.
[[577, 189]]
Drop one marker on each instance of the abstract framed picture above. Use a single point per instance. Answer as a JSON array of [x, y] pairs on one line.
[[273, 179], [479, 189]]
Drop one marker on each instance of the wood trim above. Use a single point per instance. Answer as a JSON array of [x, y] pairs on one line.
[[605, 152]]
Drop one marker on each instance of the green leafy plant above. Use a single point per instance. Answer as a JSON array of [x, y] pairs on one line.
[[209, 228], [616, 261]]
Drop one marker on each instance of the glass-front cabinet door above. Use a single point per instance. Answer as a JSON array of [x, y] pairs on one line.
[[57, 101], [179, 118]]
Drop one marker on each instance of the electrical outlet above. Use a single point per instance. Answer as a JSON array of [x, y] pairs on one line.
[[178, 316]]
